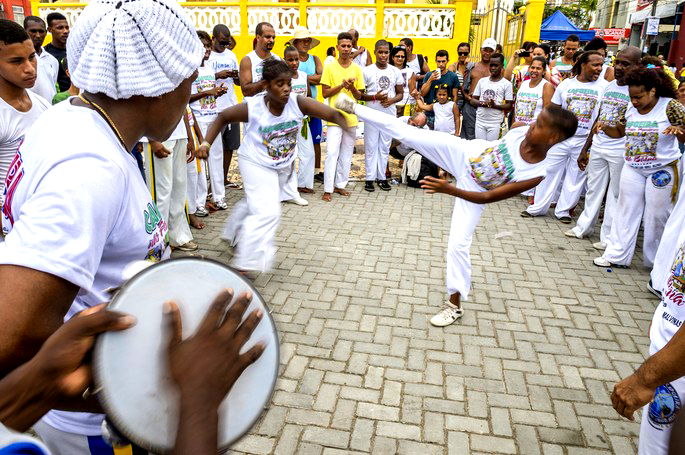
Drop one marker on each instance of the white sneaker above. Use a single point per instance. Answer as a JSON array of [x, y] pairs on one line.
[[447, 316], [345, 103], [201, 211], [601, 262], [298, 200], [599, 246], [571, 233], [221, 205]]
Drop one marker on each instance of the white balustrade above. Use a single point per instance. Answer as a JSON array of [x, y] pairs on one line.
[[329, 21], [421, 23], [284, 19], [70, 13], [206, 17]]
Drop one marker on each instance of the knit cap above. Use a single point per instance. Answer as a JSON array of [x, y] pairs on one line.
[[124, 48]]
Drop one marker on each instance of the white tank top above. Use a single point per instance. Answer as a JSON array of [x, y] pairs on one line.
[[268, 140], [529, 102], [444, 117], [258, 64]]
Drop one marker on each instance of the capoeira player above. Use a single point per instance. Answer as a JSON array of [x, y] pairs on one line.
[[265, 158], [581, 96], [485, 171]]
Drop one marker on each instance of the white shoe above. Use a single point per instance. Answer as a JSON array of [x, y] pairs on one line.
[[298, 200], [221, 205], [447, 316], [601, 262], [345, 103], [599, 246], [651, 289], [201, 211], [571, 233]]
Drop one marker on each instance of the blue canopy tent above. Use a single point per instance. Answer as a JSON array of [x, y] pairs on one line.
[[557, 27]]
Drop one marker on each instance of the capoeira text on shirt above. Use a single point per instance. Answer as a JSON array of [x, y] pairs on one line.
[[493, 167], [641, 141]]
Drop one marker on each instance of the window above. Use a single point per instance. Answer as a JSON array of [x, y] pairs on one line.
[[18, 12]]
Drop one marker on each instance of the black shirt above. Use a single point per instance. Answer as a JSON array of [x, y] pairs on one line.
[[62, 78], [449, 78]]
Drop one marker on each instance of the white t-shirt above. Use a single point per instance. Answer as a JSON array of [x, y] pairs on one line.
[[361, 58], [612, 109], [407, 74], [48, 67], [268, 140], [414, 64], [528, 102], [444, 117], [205, 109], [13, 125], [487, 90], [581, 98], [646, 145], [328, 59], [81, 212], [299, 84], [379, 80], [221, 61]]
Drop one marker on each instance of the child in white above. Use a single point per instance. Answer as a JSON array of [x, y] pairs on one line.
[[445, 110], [494, 95], [197, 175], [384, 84]]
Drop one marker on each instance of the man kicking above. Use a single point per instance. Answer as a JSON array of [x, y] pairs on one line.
[[485, 172]]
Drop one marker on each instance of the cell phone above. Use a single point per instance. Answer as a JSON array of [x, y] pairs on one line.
[[524, 54]]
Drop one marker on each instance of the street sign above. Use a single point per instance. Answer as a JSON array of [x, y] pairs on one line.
[[652, 26]]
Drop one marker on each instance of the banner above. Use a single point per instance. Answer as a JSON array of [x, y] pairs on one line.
[[642, 4], [612, 36]]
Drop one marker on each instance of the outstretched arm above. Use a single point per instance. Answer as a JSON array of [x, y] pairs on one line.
[[435, 185], [319, 110], [233, 114]]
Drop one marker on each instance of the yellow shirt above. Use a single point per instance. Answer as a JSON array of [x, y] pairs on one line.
[[333, 75]]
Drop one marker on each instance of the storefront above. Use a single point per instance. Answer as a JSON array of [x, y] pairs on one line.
[[15, 10]]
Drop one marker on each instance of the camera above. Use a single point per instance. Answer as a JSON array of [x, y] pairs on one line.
[[524, 54]]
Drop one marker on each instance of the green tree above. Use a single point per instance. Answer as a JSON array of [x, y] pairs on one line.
[[580, 13]]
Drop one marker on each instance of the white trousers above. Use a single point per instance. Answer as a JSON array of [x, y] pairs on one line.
[[562, 169], [289, 184], [168, 184], [450, 153], [254, 220], [305, 153], [644, 196], [215, 164], [603, 177], [376, 151], [339, 150], [487, 132], [197, 184]]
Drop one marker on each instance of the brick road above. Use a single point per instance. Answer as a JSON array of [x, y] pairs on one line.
[[528, 369]]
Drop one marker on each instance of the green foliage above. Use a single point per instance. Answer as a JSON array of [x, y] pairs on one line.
[[580, 13]]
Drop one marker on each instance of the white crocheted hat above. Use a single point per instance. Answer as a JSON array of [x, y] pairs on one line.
[[124, 48]]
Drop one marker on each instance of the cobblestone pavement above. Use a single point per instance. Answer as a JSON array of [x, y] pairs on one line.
[[528, 369]]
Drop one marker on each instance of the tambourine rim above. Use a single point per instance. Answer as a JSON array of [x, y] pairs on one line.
[[97, 366]]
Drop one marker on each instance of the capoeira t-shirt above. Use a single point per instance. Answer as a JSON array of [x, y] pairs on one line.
[[81, 212], [646, 145], [612, 110], [383, 80], [221, 61], [205, 109], [299, 84], [529, 101], [581, 98]]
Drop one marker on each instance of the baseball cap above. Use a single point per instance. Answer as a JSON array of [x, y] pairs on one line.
[[489, 42]]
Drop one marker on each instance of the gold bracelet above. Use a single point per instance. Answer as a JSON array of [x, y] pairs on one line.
[[205, 143]]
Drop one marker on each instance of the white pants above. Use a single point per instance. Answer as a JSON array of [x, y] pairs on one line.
[[254, 220], [339, 149], [197, 184], [487, 132], [562, 169], [168, 184], [215, 164], [376, 151], [289, 184], [450, 153], [603, 177], [305, 153], [644, 195], [62, 443]]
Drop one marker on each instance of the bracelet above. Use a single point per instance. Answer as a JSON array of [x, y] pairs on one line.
[[206, 144]]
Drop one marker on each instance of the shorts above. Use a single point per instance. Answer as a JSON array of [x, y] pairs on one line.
[[230, 137], [316, 127]]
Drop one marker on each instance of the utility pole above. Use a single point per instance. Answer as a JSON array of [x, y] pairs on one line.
[[647, 39]]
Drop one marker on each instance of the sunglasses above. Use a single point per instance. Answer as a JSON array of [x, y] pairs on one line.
[[225, 43], [399, 56], [463, 54]]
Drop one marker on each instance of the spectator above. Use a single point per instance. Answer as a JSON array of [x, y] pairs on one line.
[[500, 50], [493, 97], [48, 66], [471, 77], [330, 55], [439, 78], [398, 58], [416, 62], [360, 55], [59, 29], [599, 45], [461, 69], [562, 66], [534, 93], [73, 90], [251, 65], [445, 111], [515, 72]]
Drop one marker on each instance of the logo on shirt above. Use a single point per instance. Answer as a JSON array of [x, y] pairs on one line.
[[383, 83], [14, 175], [641, 142], [613, 107], [582, 103], [664, 407], [157, 227], [661, 178], [493, 167], [675, 285], [280, 139]]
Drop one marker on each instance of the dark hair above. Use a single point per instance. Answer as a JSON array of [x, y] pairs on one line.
[[408, 42], [680, 84], [652, 78], [55, 17], [219, 29], [396, 50], [28, 19], [464, 44], [582, 59], [596, 44], [330, 50], [499, 56], [529, 45], [442, 53], [577, 55], [381, 43], [272, 68], [203, 35], [563, 120], [11, 32], [289, 48], [442, 87], [540, 59], [354, 34], [260, 28], [545, 48], [572, 38], [344, 35]]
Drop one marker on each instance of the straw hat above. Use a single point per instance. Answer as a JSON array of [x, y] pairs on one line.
[[304, 33]]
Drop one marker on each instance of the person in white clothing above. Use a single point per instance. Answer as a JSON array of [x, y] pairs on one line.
[[492, 97], [581, 96], [203, 103], [252, 65], [485, 172], [266, 155], [360, 55], [445, 110], [196, 171], [48, 66], [653, 127], [533, 93], [385, 85], [605, 153], [19, 106]]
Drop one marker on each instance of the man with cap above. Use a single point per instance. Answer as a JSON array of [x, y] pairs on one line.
[[58, 26], [251, 65], [48, 66], [74, 218], [471, 78]]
